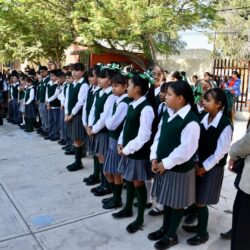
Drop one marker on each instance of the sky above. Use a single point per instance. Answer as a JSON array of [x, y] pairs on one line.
[[196, 40]]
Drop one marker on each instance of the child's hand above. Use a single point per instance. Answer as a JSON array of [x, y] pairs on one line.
[[70, 117], [120, 148], [160, 168], [48, 107], [201, 171], [154, 166], [230, 164]]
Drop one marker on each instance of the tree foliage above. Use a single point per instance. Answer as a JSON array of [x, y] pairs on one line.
[[36, 28]]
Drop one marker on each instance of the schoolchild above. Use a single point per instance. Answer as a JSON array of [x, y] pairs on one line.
[[21, 97], [214, 143], [172, 158], [134, 147]]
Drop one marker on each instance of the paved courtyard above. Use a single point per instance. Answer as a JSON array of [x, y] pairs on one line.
[[43, 206]]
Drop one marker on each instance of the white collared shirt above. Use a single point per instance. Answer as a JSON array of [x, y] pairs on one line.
[[114, 121], [189, 140], [82, 96], [223, 143], [162, 107], [32, 95], [84, 111], [61, 96], [145, 129], [56, 93], [157, 90], [199, 108], [107, 111]]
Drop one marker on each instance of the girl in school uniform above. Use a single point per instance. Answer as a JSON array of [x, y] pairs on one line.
[[93, 90], [172, 158], [76, 95], [134, 146], [21, 96], [115, 124], [215, 140], [30, 114], [100, 110]]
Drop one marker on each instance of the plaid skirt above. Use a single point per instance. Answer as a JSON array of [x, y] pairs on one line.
[[76, 129], [100, 144]]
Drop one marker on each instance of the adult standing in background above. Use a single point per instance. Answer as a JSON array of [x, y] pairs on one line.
[[233, 85]]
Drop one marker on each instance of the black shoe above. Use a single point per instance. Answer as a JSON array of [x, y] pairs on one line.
[[102, 192], [111, 205], [148, 205], [92, 181], [107, 200], [69, 152], [155, 212], [122, 214], [190, 219], [157, 235], [87, 178], [190, 229], [93, 190], [74, 167], [226, 235], [54, 139], [29, 130], [197, 240], [62, 142], [166, 242], [134, 227], [47, 137], [43, 133], [66, 147]]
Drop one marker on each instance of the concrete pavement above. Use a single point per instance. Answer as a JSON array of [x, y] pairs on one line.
[[43, 206]]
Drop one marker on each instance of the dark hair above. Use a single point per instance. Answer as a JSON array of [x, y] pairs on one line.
[[43, 68], [164, 87], [183, 73], [140, 82], [78, 67], [207, 73], [66, 67], [61, 74], [195, 76], [219, 96], [182, 88], [177, 75], [69, 74], [54, 72], [119, 79], [107, 73], [29, 80]]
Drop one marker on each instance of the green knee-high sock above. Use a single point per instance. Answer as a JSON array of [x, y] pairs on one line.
[[96, 172], [103, 178], [112, 186], [142, 200], [130, 196], [166, 218], [117, 193], [202, 220], [191, 209], [78, 155], [176, 216]]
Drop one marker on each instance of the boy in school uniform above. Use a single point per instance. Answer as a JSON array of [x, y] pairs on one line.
[[53, 106], [75, 98], [41, 93], [14, 99]]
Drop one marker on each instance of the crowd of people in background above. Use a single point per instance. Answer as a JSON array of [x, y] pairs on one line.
[[157, 133]]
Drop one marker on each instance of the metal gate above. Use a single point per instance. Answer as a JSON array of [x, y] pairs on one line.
[[223, 69]]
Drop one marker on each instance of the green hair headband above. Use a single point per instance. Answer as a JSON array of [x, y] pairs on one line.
[[148, 75]]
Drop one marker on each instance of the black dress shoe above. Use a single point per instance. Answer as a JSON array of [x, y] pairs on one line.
[[122, 214], [62, 142], [111, 205], [155, 212], [107, 200], [226, 235], [148, 205], [87, 178], [157, 235], [47, 137], [93, 190], [92, 181], [66, 147], [134, 227], [197, 240], [74, 167], [190, 229], [54, 139], [166, 242], [102, 192], [69, 152]]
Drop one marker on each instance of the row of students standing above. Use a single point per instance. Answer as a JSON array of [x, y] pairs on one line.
[[119, 134]]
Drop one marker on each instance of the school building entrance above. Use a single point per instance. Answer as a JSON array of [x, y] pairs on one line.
[[223, 69]]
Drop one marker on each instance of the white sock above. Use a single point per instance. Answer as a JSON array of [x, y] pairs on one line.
[[149, 186]]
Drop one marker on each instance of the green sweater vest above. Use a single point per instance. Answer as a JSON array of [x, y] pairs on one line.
[[116, 133], [99, 107], [14, 91], [21, 95], [209, 138], [41, 91], [73, 96], [51, 91], [170, 138], [131, 129]]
